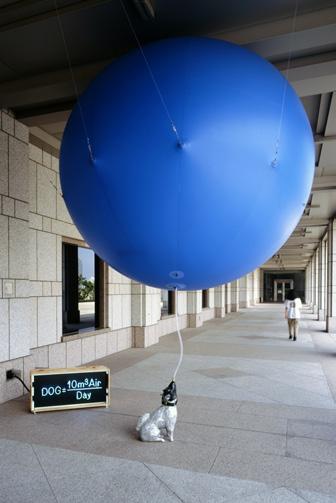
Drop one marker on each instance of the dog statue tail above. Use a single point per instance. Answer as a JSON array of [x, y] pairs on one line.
[[142, 420]]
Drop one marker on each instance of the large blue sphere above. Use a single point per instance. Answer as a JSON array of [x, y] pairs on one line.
[[200, 206]]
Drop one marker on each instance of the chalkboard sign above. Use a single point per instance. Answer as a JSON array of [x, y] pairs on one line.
[[54, 389]]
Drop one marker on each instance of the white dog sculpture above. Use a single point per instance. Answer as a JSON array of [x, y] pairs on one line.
[[160, 423]]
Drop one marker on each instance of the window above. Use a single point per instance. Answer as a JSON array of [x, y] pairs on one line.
[[167, 302], [82, 292], [205, 299]]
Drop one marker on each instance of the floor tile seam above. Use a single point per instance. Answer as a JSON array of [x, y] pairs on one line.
[[221, 448], [293, 491], [244, 403], [163, 483], [266, 348], [331, 387], [215, 458], [44, 473], [246, 495], [232, 446], [107, 456], [205, 424], [242, 452], [196, 443], [286, 445], [329, 441], [311, 460], [297, 492], [280, 456], [286, 417], [235, 428], [278, 372], [300, 388], [269, 400], [197, 356], [275, 379], [318, 422]]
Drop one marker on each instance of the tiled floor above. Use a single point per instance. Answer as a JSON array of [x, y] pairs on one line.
[[257, 423]]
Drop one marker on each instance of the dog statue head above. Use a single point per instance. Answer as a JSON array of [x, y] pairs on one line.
[[169, 396]]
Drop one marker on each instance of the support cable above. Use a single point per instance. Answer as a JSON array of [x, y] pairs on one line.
[[284, 93], [74, 83], [151, 74]]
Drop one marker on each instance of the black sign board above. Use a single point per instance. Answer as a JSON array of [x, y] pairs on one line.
[[54, 389]]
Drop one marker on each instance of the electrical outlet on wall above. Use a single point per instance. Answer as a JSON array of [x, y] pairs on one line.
[[10, 374]]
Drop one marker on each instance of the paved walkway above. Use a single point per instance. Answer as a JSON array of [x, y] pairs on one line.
[[257, 423]]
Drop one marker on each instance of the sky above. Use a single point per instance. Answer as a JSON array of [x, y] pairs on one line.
[[86, 257]]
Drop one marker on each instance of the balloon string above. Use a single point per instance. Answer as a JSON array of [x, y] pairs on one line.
[[74, 83], [284, 93], [179, 336], [156, 85]]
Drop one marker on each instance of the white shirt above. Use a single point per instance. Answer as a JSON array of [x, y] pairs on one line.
[[293, 308]]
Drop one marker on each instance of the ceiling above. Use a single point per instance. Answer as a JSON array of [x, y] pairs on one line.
[[39, 38]]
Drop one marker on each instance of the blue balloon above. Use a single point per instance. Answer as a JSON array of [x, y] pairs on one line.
[[201, 163]]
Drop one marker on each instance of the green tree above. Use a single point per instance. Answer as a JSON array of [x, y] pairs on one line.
[[86, 289]]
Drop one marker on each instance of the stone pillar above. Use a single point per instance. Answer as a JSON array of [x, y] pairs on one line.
[[194, 307], [255, 287], [261, 285], [321, 281], [228, 298], [220, 301], [316, 294], [313, 284], [308, 284], [252, 289], [16, 309], [146, 312], [331, 283], [235, 295], [325, 290], [244, 287]]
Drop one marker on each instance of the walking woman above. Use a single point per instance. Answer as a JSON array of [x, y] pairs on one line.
[[293, 306]]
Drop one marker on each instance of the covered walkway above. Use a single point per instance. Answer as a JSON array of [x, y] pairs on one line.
[[257, 423]]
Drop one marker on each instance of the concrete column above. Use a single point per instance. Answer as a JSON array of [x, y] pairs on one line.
[[228, 298], [261, 285], [313, 284], [321, 280], [194, 308], [244, 291], [331, 282], [325, 290], [220, 301], [235, 295], [16, 307], [146, 312], [308, 285], [316, 293], [255, 287]]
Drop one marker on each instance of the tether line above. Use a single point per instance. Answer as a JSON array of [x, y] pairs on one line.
[[74, 83], [156, 85], [284, 93], [179, 335]]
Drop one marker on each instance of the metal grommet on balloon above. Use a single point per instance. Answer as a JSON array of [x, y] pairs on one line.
[[175, 286], [176, 274]]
